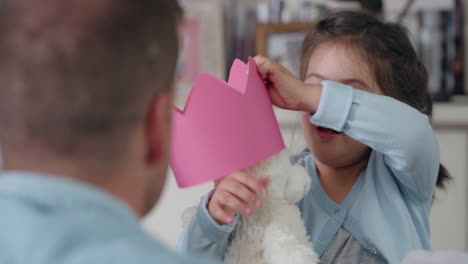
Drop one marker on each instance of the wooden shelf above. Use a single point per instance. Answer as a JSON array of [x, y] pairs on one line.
[[264, 30], [450, 115], [446, 115]]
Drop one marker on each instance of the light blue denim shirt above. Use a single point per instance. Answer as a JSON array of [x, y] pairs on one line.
[[387, 209], [51, 220]]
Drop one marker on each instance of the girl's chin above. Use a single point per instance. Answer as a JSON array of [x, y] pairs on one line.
[[326, 133], [332, 160], [331, 153], [339, 157]]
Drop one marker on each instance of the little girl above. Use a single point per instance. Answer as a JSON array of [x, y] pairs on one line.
[[373, 159]]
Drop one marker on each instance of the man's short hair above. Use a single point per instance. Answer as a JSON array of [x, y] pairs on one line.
[[75, 73]]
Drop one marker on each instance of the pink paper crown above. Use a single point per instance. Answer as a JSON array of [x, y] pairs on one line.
[[224, 127]]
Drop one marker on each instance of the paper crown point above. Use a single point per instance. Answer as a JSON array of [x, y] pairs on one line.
[[224, 127]]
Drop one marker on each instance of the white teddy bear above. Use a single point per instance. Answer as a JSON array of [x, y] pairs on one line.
[[275, 233]]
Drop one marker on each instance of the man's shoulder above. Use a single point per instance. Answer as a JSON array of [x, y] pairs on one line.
[[73, 245], [136, 251], [140, 247], [78, 236], [122, 244], [68, 223]]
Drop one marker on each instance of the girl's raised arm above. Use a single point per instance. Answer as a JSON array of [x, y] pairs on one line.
[[400, 132]]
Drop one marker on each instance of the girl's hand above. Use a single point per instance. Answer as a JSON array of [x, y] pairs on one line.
[[286, 91], [238, 192]]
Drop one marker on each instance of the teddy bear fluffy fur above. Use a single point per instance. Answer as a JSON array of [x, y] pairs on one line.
[[275, 233]]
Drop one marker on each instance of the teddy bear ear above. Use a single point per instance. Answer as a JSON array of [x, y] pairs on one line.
[[297, 184]]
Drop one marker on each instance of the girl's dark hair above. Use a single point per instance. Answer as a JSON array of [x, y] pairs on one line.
[[389, 54]]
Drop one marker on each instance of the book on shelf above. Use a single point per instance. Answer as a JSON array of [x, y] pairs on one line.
[[440, 46]]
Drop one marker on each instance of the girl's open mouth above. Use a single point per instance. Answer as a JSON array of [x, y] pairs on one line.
[[327, 133]]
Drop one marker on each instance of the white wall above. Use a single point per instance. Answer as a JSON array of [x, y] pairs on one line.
[[165, 221], [449, 215]]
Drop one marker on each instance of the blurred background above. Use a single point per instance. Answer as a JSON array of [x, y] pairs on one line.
[[215, 32]]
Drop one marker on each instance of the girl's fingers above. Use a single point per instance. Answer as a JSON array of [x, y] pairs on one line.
[[260, 60], [285, 88], [239, 193], [244, 193], [276, 99], [264, 66], [226, 199], [252, 183], [264, 180], [268, 67], [220, 214]]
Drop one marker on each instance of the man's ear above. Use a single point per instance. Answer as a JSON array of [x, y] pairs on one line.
[[158, 127]]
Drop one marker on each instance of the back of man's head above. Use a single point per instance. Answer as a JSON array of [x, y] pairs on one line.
[[77, 75]]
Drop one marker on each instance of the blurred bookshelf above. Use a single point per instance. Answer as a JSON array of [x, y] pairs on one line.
[[436, 27]]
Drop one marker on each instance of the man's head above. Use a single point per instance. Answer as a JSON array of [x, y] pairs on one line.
[[88, 82]]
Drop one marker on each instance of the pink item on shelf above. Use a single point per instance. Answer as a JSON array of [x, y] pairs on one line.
[[224, 127]]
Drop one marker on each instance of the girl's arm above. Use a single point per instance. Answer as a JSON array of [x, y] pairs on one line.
[[400, 132], [203, 235], [209, 230]]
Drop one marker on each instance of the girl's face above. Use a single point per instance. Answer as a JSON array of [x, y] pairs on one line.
[[340, 64]]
